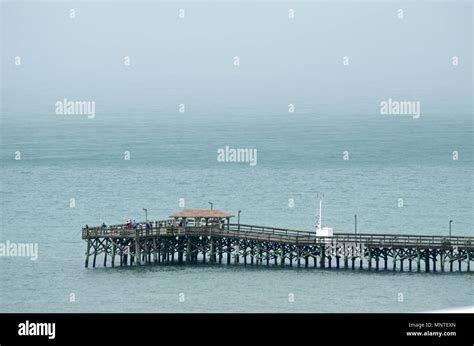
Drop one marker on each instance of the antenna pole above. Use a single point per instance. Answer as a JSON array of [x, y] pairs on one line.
[[320, 215], [320, 211]]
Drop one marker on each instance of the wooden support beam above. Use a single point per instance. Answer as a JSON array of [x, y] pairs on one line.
[[323, 257], [95, 252], [189, 251], [418, 259], [442, 259], [370, 258], [251, 253], [113, 253], [144, 257], [260, 254], [86, 264], [137, 250], [179, 249], [212, 258], [427, 261], [237, 255], [220, 252], [468, 260], [395, 253], [106, 245]]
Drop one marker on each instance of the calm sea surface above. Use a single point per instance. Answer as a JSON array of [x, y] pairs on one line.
[[173, 156], [49, 55]]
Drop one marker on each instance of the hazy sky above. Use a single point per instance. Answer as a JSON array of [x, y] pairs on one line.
[[282, 60]]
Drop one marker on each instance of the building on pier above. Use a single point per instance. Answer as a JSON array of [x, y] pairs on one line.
[[202, 217]]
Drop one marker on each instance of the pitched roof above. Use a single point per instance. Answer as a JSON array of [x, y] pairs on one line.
[[204, 213]]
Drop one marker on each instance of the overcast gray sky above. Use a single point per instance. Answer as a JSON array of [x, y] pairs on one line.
[[282, 60]]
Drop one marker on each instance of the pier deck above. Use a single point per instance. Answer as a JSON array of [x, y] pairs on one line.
[[163, 242]]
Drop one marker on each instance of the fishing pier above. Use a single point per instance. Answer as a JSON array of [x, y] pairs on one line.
[[207, 236]]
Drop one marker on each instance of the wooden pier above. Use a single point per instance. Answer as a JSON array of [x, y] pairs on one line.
[[203, 236]]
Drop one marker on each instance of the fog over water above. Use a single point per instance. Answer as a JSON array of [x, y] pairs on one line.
[[173, 154]]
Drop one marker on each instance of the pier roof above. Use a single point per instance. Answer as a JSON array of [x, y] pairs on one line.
[[203, 213]]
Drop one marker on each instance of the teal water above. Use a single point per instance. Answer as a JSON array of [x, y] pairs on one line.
[[78, 158], [174, 155]]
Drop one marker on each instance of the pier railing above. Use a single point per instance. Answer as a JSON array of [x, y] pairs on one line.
[[262, 233]]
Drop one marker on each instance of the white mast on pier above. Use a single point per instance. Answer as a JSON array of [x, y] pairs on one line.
[[320, 231], [319, 216]]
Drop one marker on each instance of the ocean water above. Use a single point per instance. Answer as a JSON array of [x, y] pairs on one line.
[[82, 158], [173, 155]]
